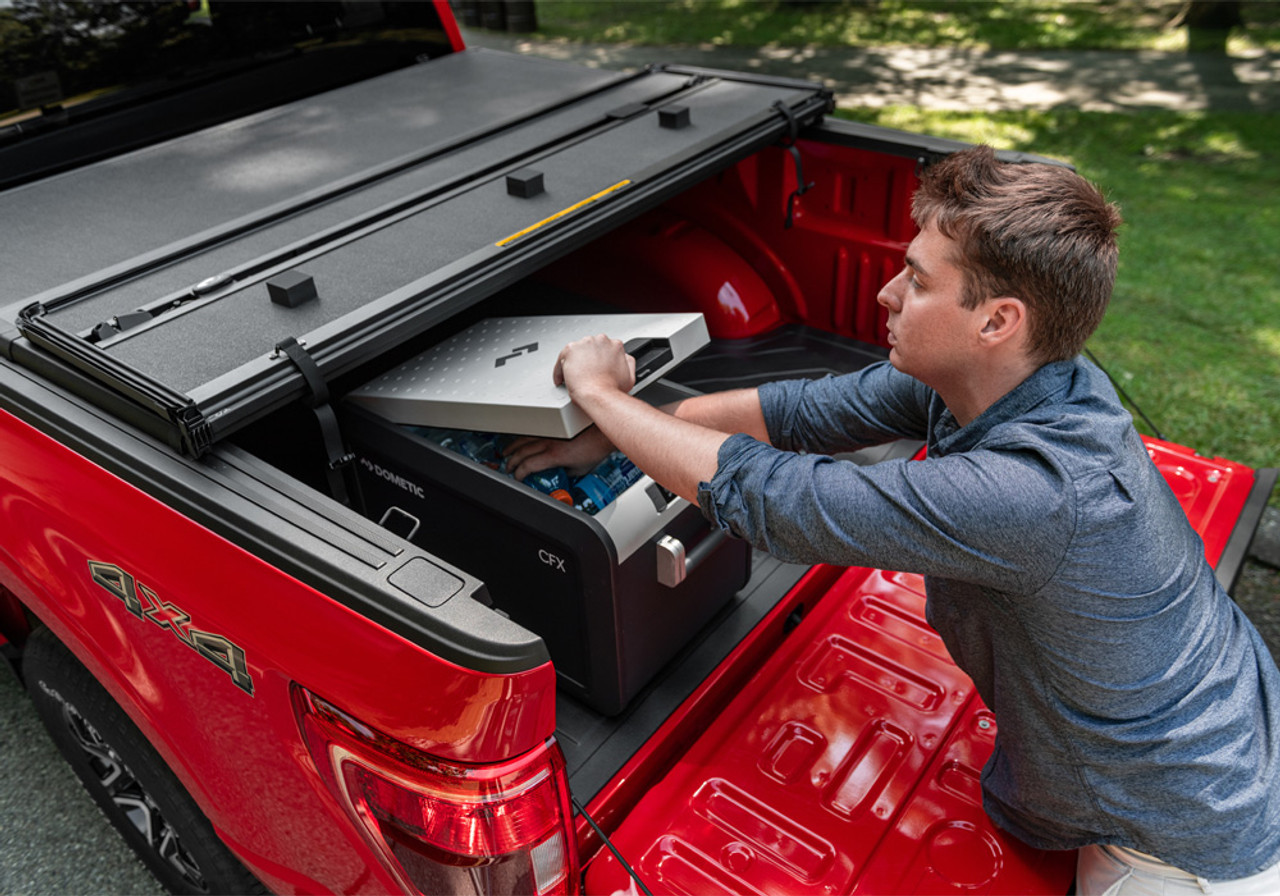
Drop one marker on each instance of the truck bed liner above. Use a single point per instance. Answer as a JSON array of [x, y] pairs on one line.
[[861, 714]]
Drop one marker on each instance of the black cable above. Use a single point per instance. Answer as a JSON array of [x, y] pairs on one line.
[[1155, 430], [607, 842]]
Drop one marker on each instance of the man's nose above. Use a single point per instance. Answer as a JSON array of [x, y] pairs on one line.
[[888, 295]]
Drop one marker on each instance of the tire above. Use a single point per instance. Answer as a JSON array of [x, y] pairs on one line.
[[128, 780]]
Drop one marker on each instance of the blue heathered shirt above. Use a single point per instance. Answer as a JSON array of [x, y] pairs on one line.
[[1136, 705]]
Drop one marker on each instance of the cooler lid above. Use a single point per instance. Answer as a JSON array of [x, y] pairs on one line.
[[496, 375]]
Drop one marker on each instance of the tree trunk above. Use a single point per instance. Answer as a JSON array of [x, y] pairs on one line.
[[1208, 23]]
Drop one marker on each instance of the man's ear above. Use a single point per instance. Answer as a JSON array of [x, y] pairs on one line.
[[1006, 318]]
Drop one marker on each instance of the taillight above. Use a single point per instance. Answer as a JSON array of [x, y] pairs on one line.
[[445, 827]]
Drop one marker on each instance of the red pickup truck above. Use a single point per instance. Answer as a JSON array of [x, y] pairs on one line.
[[288, 638]]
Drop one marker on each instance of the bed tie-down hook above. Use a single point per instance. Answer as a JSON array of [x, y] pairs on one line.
[[789, 144]]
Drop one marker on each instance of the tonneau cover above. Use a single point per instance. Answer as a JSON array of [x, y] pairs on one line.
[[374, 212]]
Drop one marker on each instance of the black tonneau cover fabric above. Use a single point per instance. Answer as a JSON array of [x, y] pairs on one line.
[[395, 247], [82, 222]]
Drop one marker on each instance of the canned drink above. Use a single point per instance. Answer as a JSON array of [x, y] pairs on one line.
[[618, 472], [591, 494]]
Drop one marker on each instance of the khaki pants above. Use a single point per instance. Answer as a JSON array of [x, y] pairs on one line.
[[1113, 871]]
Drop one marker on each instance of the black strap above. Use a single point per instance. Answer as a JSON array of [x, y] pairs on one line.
[[789, 144], [318, 400]]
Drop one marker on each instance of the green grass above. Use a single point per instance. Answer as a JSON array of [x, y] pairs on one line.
[[1008, 24], [1193, 332]]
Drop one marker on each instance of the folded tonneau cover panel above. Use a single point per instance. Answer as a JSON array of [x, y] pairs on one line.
[[191, 334]]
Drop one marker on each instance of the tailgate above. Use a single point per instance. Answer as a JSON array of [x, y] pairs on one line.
[[850, 761]]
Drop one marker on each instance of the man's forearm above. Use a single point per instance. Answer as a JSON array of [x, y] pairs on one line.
[[677, 453], [724, 412], [679, 449], [737, 410]]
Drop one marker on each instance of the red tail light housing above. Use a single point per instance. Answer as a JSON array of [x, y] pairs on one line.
[[446, 827]]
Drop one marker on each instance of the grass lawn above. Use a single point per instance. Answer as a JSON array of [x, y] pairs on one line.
[[1193, 333], [1008, 24]]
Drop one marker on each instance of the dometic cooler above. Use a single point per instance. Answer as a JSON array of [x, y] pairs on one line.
[[614, 595]]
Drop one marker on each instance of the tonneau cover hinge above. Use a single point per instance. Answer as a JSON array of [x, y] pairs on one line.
[[186, 423]]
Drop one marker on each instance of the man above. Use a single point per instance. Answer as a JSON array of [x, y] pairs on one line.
[[1138, 710]]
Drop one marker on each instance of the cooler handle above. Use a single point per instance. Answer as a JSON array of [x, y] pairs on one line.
[[650, 354], [675, 564]]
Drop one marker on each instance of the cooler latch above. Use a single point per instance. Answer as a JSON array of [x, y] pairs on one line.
[[650, 354]]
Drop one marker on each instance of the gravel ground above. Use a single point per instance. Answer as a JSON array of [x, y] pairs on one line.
[[1258, 593]]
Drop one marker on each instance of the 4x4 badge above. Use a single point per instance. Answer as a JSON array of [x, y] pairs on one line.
[[142, 602]]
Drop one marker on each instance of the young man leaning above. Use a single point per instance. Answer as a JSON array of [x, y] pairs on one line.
[[1138, 709]]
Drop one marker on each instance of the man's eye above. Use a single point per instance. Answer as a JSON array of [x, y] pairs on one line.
[[915, 284]]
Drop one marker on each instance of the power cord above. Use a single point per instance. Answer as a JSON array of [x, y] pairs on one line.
[[609, 843]]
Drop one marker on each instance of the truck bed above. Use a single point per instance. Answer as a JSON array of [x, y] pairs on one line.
[[812, 736]]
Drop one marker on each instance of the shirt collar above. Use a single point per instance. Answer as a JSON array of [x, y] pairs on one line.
[[947, 437]]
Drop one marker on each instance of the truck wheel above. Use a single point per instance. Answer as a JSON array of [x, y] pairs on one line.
[[126, 777]]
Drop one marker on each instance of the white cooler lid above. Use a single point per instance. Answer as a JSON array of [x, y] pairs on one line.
[[495, 376]]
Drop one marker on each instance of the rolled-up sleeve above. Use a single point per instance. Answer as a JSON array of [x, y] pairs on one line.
[[949, 516]]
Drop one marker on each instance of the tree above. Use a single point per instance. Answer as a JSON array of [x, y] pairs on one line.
[[1208, 24]]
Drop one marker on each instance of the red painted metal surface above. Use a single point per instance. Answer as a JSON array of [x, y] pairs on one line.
[[846, 765], [1212, 491], [664, 262], [232, 749], [725, 248], [450, 23], [846, 236]]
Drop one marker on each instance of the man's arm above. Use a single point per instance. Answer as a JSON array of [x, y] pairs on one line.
[[737, 410], [657, 440], [676, 453]]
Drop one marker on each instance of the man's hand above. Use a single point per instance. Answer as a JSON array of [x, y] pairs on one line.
[[579, 455], [678, 445], [591, 366], [594, 366]]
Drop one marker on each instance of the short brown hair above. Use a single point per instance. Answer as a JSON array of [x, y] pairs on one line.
[[1036, 231]]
